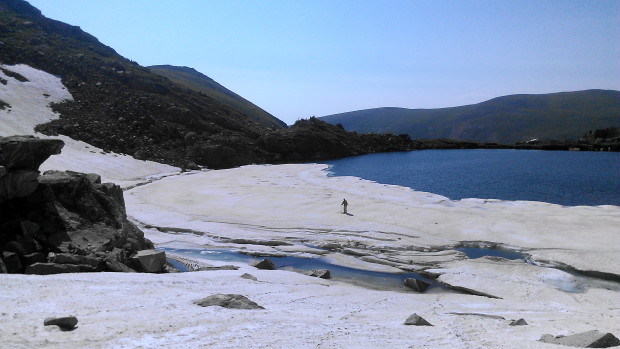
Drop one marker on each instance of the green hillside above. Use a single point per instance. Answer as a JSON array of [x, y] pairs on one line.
[[508, 119], [194, 80]]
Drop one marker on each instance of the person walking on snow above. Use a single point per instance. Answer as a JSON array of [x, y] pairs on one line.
[[344, 204]]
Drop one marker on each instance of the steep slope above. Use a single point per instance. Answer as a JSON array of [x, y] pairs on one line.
[[198, 82], [508, 119], [122, 107]]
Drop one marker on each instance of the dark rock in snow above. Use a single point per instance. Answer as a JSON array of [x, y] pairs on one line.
[[12, 262], [417, 320], [589, 339], [249, 277], [66, 323], [149, 261], [232, 301], [319, 273], [265, 264], [520, 322], [51, 268], [416, 285]]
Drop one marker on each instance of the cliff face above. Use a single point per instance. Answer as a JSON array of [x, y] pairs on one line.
[[59, 221]]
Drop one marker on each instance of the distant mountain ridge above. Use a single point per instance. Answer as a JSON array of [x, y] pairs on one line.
[[198, 82], [507, 119]]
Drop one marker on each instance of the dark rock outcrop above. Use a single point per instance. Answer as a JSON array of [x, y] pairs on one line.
[[232, 301], [59, 221], [520, 322], [66, 323], [149, 261], [417, 320], [319, 273], [416, 285], [589, 339], [265, 264]]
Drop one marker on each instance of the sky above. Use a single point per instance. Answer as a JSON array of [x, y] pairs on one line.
[[302, 58]]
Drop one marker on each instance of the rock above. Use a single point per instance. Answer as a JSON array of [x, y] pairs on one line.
[[319, 273], [51, 268], [36, 257], [15, 246], [116, 266], [3, 269], [417, 320], [66, 323], [589, 339], [12, 262], [149, 261], [520, 322], [249, 277], [29, 228], [68, 258], [265, 264], [18, 184], [93, 178], [2, 171], [27, 152], [231, 301], [416, 285]]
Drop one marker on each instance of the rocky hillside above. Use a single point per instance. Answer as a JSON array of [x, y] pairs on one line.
[[508, 119], [123, 107], [198, 82]]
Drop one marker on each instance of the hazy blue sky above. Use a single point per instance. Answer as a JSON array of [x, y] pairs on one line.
[[299, 58]]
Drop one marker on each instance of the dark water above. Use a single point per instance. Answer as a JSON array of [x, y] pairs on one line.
[[478, 252], [568, 178], [367, 278]]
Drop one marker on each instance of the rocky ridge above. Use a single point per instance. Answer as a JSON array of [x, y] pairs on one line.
[[60, 221]]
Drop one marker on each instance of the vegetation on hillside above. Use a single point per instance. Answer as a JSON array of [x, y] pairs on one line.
[[508, 119]]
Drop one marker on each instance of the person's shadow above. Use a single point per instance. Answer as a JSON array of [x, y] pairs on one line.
[[348, 214]]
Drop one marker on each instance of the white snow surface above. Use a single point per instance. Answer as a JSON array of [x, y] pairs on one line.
[[29, 103], [390, 227]]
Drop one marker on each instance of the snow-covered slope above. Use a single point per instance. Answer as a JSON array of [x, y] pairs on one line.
[[29, 105]]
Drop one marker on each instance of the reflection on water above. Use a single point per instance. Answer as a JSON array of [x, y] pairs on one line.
[[370, 279]]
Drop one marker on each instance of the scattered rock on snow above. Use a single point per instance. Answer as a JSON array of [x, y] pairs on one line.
[[232, 301], [417, 320], [589, 339], [66, 323], [416, 285], [520, 322], [319, 273], [249, 277], [265, 264], [149, 261]]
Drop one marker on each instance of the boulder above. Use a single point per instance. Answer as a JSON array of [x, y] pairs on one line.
[[231, 301], [416, 285], [51, 268], [249, 277], [265, 264], [417, 320], [520, 322], [319, 273], [12, 262], [18, 184], [116, 266], [68, 258], [66, 323], [27, 152], [3, 269], [588, 339], [35, 257], [149, 261]]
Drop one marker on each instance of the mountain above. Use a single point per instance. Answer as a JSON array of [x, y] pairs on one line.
[[508, 119], [198, 82], [122, 107]]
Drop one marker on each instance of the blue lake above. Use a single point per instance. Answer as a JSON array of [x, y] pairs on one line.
[[561, 177]]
